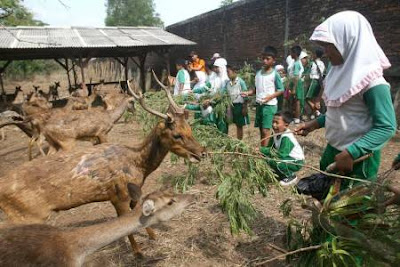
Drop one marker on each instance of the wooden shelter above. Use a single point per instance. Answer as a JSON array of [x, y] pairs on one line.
[[75, 46]]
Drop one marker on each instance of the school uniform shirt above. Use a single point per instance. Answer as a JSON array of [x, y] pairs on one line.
[[286, 146], [267, 84], [182, 77], [367, 120], [315, 73], [234, 88], [296, 70]]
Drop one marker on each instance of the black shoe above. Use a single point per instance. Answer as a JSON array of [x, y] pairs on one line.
[[288, 181]]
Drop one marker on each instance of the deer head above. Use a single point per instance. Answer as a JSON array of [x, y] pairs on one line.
[[18, 89], [160, 204], [36, 88], [57, 84], [174, 132]]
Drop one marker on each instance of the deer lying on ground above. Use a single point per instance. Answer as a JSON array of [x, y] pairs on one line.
[[66, 180], [44, 245]]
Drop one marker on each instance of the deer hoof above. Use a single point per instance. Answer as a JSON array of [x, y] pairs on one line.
[[139, 255]]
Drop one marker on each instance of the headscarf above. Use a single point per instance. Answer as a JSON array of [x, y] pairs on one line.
[[364, 60]]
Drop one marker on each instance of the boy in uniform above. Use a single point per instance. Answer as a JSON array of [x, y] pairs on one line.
[[287, 154], [296, 84], [314, 92], [235, 87], [268, 87]]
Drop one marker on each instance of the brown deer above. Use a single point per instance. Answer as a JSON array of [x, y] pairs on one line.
[[53, 90], [99, 173], [44, 245]]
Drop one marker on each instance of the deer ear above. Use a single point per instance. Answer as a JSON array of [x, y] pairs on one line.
[[135, 192]]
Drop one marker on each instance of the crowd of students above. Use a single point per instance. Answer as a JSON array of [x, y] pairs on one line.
[[359, 117]]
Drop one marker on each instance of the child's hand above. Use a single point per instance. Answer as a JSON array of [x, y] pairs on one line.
[[244, 94], [266, 99], [344, 162]]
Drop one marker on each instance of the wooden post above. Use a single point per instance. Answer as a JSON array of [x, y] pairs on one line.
[[82, 71], [68, 70], [126, 68], [142, 60], [3, 92], [74, 72]]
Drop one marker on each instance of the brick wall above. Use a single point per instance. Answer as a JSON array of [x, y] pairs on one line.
[[240, 31]]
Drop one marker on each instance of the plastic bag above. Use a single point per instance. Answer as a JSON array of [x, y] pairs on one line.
[[316, 185]]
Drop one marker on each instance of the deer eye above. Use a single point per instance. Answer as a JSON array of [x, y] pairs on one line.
[[177, 136], [171, 202]]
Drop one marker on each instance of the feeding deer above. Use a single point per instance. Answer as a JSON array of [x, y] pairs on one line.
[[100, 173], [44, 245]]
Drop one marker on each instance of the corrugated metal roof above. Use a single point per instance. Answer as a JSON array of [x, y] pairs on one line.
[[22, 37]]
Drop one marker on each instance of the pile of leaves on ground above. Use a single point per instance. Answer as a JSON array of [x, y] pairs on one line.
[[357, 227], [237, 177]]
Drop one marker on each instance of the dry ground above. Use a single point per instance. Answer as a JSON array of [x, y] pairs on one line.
[[201, 236]]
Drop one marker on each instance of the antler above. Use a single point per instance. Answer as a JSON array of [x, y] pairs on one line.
[[140, 98], [176, 108]]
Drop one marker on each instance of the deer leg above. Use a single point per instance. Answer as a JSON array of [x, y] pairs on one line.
[[40, 145], [3, 135], [151, 233], [122, 208], [102, 139], [30, 144]]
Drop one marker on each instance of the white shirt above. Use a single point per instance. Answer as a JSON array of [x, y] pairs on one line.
[[265, 86], [314, 74]]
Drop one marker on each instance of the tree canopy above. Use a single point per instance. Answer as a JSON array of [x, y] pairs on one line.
[[132, 13], [226, 2], [13, 13]]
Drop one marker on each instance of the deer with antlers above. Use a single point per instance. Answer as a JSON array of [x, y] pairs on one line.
[[100, 173], [44, 245]]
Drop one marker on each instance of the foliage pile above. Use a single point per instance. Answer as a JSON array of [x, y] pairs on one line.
[[355, 228], [238, 177]]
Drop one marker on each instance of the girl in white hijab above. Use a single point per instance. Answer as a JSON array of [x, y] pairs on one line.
[[360, 117]]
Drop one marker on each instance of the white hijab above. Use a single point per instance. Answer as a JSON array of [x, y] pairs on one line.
[[364, 60]]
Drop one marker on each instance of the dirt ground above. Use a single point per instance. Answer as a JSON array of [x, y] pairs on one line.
[[201, 235]]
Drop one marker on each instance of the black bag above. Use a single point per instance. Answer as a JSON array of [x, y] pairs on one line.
[[316, 185]]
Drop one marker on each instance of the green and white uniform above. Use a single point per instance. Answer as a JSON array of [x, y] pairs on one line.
[[207, 115], [234, 89], [317, 69], [296, 71], [182, 77], [266, 84], [286, 150], [362, 125]]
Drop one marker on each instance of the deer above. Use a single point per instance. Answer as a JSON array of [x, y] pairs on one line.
[[45, 245], [53, 90], [73, 178]]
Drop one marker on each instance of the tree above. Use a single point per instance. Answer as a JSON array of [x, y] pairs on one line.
[[13, 13], [226, 2], [132, 13]]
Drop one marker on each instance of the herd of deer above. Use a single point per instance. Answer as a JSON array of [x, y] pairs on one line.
[[71, 176]]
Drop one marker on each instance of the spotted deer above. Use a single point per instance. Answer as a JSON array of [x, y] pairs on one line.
[[45, 245], [65, 180]]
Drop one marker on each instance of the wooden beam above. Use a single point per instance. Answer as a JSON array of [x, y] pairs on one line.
[[126, 68], [68, 70], [2, 69], [61, 64], [82, 71]]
